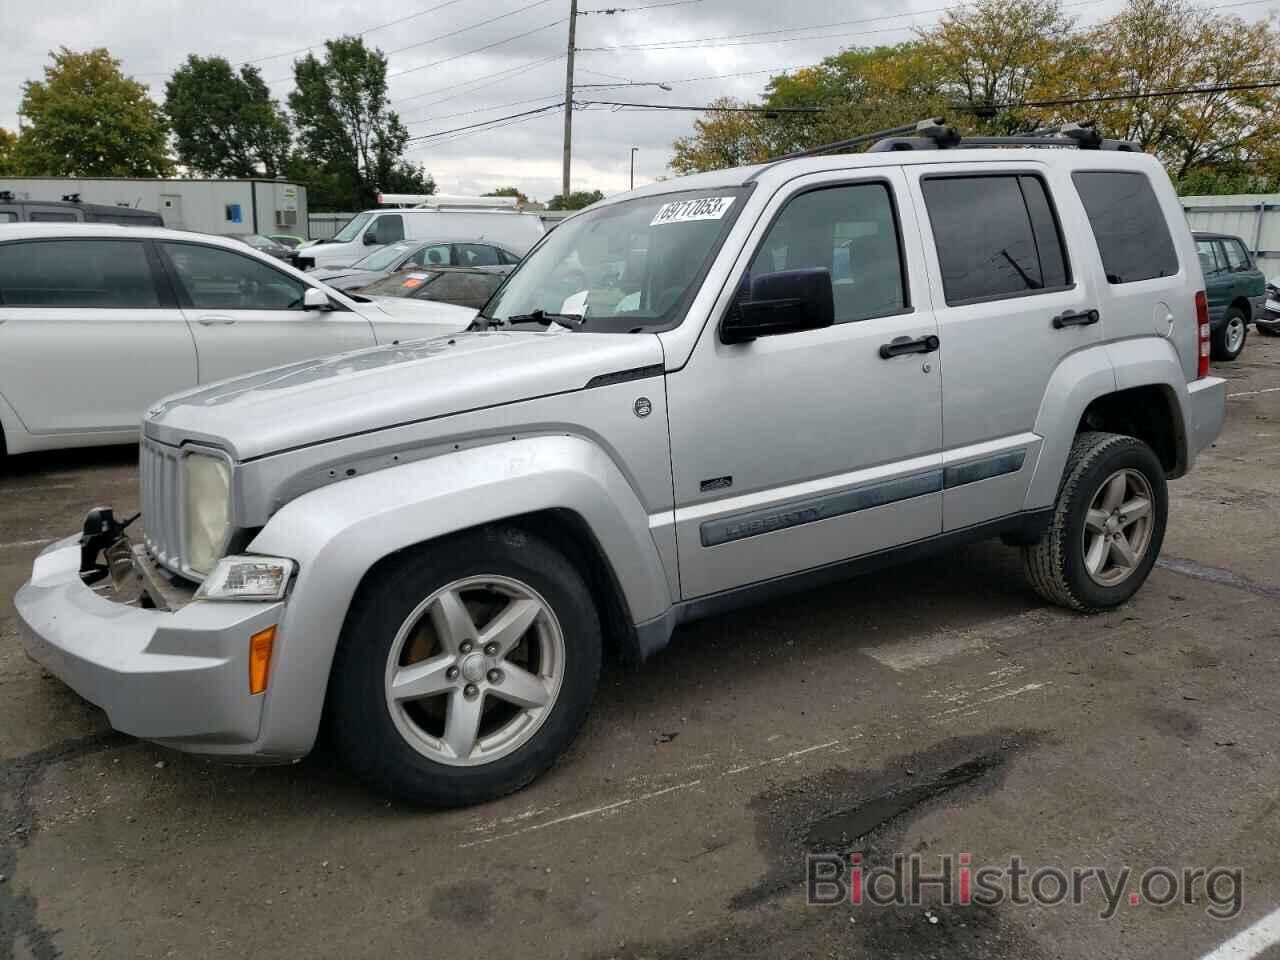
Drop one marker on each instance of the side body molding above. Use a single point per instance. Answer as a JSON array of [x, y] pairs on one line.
[[337, 533]]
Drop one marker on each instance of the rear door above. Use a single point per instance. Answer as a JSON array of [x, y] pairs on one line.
[[1010, 307], [247, 315], [88, 338]]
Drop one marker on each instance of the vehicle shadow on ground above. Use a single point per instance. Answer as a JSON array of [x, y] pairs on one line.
[[820, 628], [31, 465]]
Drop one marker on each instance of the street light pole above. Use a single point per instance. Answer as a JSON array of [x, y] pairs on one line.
[[633, 167]]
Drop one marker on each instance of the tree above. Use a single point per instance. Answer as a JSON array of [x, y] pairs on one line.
[[225, 124], [406, 177], [723, 138], [88, 119], [345, 125], [508, 192], [8, 153], [576, 200]]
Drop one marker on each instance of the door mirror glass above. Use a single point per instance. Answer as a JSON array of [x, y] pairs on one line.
[[316, 299], [784, 302], [371, 236]]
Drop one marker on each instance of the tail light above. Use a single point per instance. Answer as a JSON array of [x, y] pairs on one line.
[[1202, 322]]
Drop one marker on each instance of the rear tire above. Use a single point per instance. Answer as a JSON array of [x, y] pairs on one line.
[[1228, 340], [1107, 528], [423, 713]]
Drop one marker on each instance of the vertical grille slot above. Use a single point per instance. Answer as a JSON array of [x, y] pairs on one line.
[[158, 478]]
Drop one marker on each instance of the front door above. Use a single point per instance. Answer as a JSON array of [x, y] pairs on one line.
[[87, 340], [795, 451], [247, 315]]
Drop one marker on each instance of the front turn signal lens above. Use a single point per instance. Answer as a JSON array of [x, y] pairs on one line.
[[260, 645]]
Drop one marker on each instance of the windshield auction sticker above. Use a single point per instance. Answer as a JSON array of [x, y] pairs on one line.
[[682, 211]]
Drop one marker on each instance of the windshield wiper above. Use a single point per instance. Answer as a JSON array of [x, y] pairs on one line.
[[574, 321]]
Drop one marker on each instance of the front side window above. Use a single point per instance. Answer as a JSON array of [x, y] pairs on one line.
[[624, 267], [436, 255], [850, 231], [1128, 224], [388, 228], [1237, 259], [996, 236], [103, 274], [1210, 261], [215, 279]]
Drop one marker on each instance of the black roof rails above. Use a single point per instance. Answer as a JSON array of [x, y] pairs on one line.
[[935, 126], [931, 135]]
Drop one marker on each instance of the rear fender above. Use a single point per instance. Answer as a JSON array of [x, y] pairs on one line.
[[337, 533]]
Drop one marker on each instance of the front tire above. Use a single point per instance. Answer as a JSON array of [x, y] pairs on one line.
[[1108, 525], [1228, 340], [465, 668]]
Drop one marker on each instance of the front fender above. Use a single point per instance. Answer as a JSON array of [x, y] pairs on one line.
[[337, 533]]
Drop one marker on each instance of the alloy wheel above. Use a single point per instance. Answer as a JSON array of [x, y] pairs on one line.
[[474, 670], [1118, 527]]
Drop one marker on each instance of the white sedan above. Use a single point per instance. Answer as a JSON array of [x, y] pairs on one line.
[[98, 322]]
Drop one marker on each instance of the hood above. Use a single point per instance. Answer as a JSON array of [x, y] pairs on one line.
[[381, 387], [345, 278], [450, 317]]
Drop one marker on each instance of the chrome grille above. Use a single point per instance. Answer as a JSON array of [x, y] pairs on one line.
[[161, 503]]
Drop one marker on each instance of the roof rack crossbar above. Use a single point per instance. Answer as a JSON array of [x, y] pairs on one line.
[[932, 124], [1082, 136]]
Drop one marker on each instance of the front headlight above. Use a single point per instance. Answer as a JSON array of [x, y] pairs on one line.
[[208, 510], [247, 578]]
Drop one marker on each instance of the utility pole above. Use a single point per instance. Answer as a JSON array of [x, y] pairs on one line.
[[633, 167], [568, 99]]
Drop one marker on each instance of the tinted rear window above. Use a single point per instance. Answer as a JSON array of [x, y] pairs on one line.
[[111, 274], [1128, 225], [996, 236]]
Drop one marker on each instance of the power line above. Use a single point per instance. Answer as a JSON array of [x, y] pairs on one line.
[[454, 33], [490, 78], [464, 113], [701, 108], [488, 46], [652, 6], [483, 123], [472, 133]]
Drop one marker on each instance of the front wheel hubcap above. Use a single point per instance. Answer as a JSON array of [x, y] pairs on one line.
[[1235, 334], [1117, 530], [475, 670]]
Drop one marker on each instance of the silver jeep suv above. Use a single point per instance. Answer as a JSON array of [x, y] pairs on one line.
[[693, 396]]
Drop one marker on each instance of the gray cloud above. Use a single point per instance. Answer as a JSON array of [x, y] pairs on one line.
[[154, 36]]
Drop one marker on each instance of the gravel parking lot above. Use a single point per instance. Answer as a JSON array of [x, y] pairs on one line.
[[938, 709]]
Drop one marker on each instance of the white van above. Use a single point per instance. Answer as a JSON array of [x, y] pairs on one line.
[[375, 228]]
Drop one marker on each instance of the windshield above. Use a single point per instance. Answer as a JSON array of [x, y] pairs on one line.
[[262, 243], [398, 285], [353, 228], [628, 266], [385, 258]]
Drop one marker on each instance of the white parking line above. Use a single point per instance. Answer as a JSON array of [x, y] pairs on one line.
[[1250, 942], [1252, 393], [27, 543]]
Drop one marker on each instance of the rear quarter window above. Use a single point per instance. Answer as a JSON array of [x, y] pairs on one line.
[[1128, 225]]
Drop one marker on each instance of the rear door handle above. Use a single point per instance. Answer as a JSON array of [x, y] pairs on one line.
[[901, 345], [1076, 318], [216, 321]]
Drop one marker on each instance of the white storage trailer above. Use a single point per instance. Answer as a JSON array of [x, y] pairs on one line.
[[205, 206]]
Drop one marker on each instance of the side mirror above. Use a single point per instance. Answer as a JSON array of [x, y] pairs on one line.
[[316, 299], [784, 302], [371, 237]]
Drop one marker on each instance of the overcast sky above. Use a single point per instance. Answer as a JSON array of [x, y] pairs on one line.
[[152, 37]]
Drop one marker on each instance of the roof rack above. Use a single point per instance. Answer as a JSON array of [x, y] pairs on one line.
[[934, 134]]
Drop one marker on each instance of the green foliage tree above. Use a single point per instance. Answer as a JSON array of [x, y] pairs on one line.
[[225, 124], [508, 192], [8, 153], [88, 119], [346, 128], [575, 201]]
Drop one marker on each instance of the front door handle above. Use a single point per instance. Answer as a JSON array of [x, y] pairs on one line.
[[216, 321], [1076, 318], [900, 345]]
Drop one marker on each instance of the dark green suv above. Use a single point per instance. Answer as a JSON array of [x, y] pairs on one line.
[[1236, 290]]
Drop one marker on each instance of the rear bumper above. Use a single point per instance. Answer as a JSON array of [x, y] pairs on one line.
[[1207, 406], [180, 678]]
